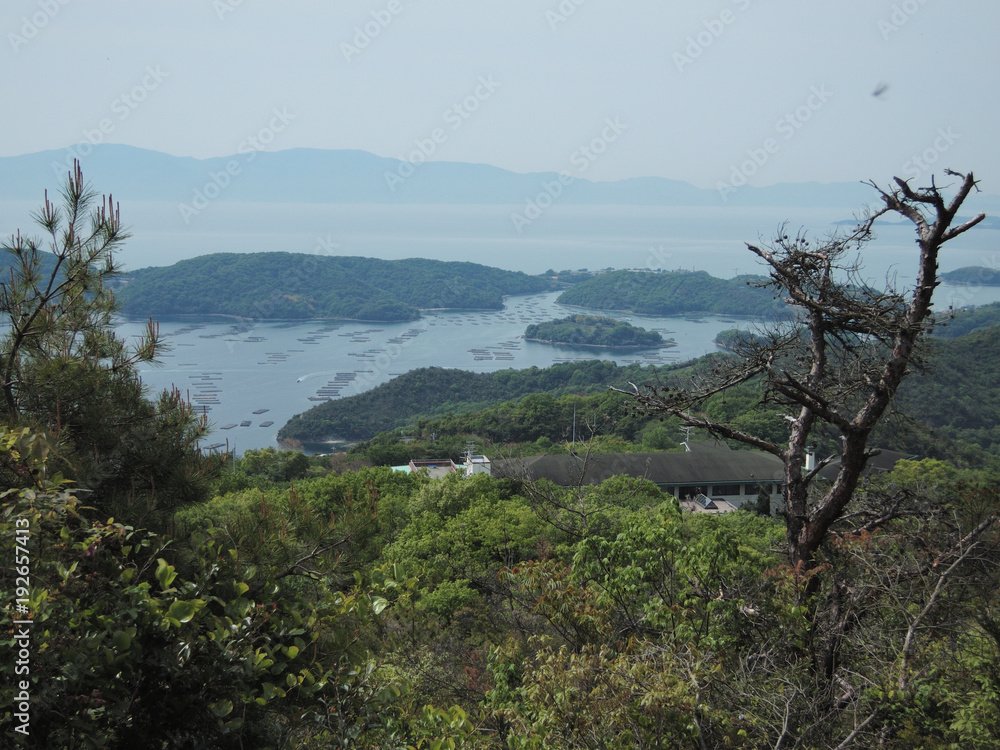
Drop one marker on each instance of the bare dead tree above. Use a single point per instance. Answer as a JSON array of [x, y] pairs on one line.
[[839, 364]]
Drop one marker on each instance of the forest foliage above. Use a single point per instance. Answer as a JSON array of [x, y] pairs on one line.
[[964, 321]]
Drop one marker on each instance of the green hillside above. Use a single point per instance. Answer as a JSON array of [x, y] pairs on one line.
[[434, 391], [673, 293], [301, 286], [959, 395], [967, 321]]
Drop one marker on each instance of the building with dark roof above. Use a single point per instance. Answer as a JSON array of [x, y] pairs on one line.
[[881, 462], [710, 469]]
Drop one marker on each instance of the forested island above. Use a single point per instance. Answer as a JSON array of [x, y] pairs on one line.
[[674, 293], [592, 330], [295, 286], [972, 275]]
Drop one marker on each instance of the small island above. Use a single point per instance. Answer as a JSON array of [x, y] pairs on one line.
[[972, 276], [591, 330]]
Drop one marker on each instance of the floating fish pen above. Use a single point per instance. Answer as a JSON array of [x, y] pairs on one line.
[[245, 423], [227, 426], [266, 424], [320, 398], [260, 411]]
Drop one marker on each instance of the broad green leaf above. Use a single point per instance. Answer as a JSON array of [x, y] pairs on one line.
[[182, 611], [122, 640], [165, 573]]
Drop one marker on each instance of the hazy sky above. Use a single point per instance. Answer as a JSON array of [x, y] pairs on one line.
[[704, 91]]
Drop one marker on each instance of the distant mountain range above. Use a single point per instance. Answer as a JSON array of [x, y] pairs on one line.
[[349, 176]]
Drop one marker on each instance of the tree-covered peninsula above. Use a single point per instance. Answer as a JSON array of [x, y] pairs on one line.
[[434, 391], [302, 286], [674, 293], [592, 330]]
